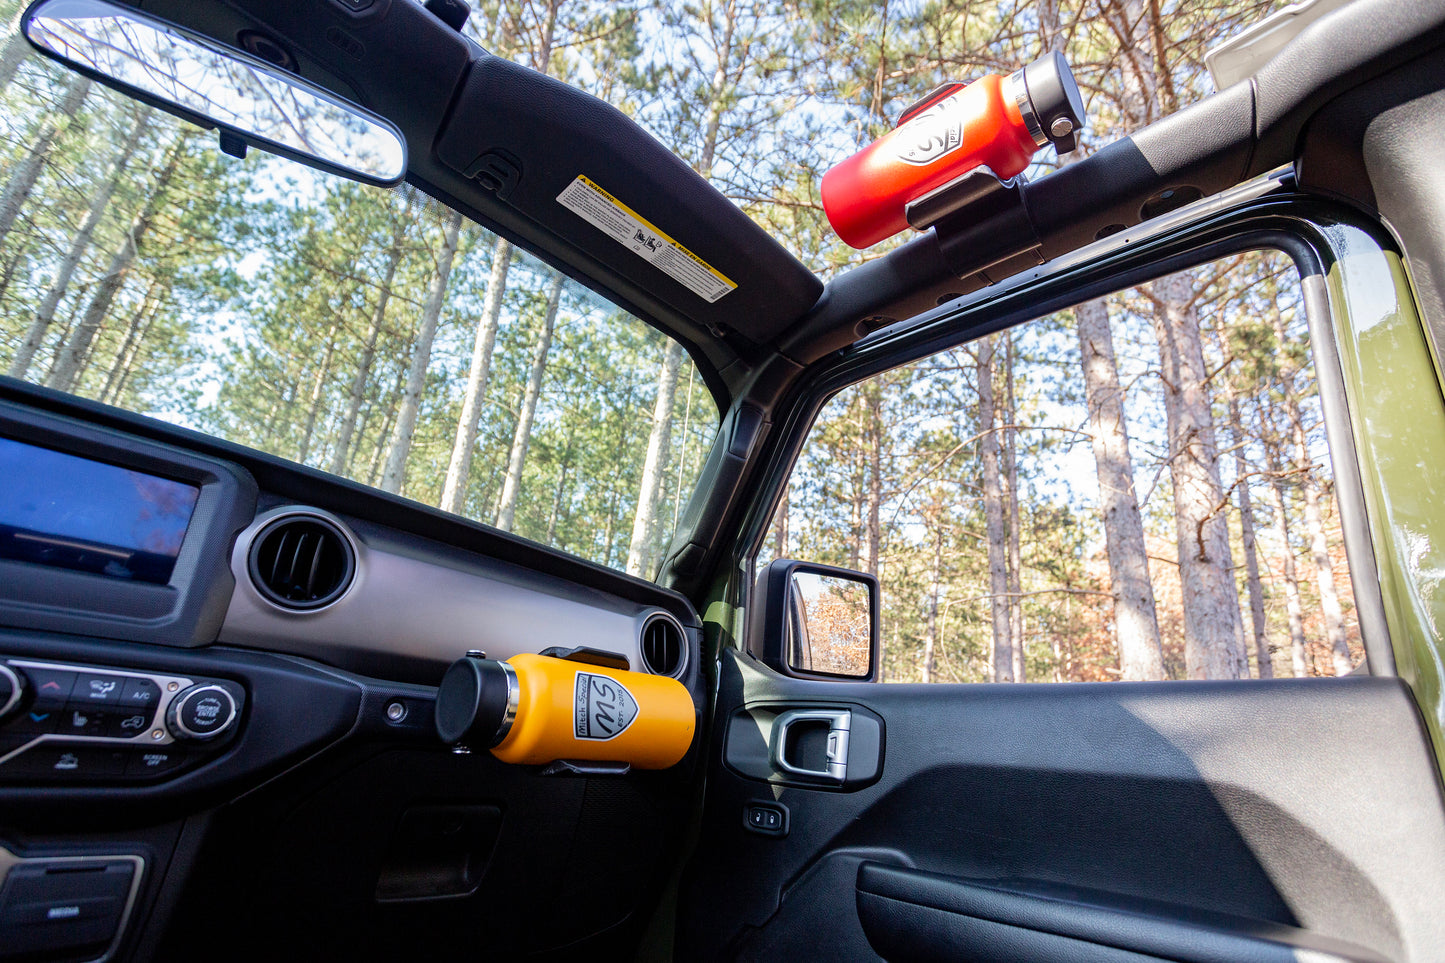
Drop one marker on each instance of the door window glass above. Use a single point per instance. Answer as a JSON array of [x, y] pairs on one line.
[[1137, 488]]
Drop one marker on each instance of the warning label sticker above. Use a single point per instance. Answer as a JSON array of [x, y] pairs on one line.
[[606, 213], [604, 707]]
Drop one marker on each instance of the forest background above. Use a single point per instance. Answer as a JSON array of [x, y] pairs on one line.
[[1138, 488]]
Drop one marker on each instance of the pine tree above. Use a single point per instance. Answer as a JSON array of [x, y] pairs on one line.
[[1135, 622]]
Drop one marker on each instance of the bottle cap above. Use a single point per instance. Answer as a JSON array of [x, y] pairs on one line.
[[1048, 98], [476, 701]]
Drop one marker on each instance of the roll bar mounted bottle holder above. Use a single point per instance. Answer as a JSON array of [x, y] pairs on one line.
[[982, 223]]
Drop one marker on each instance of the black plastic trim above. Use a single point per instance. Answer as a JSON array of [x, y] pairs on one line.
[[188, 610], [293, 711]]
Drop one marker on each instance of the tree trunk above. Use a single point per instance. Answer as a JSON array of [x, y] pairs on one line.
[[281, 424], [993, 508], [935, 575], [614, 494], [459, 468], [1294, 608], [780, 527], [11, 263], [387, 424], [873, 536], [1247, 538], [27, 171], [682, 455], [1251, 550], [129, 346], [66, 372], [522, 438], [658, 442], [858, 492], [1334, 617], [45, 314], [1011, 503], [394, 477], [1136, 626], [556, 513], [454, 490], [342, 455], [68, 326], [12, 53], [323, 373], [1212, 624], [128, 369], [609, 530]]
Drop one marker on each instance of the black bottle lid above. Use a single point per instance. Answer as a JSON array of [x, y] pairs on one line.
[[473, 702], [1052, 104]]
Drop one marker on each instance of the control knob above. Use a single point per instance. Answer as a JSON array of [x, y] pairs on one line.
[[201, 713], [12, 688]]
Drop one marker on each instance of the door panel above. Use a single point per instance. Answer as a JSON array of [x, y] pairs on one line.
[[908, 914], [1284, 813]]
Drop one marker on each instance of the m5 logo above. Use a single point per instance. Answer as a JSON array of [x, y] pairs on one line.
[[934, 133], [604, 707]]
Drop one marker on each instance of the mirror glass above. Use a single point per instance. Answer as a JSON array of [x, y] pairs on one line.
[[136, 54], [830, 627]]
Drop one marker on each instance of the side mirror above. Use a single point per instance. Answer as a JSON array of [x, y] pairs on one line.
[[212, 85], [817, 621]]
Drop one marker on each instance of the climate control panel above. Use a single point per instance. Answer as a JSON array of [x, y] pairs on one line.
[[67, 723]]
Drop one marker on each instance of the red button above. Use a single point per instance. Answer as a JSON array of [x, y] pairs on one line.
[[51, 686]]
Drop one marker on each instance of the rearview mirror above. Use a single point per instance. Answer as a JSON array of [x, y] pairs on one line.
[[214, 86], [818, 620]]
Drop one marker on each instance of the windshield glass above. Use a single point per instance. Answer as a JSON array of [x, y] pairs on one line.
[[373, 334]]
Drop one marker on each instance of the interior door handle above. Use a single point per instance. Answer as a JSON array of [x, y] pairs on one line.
[[840, 723]]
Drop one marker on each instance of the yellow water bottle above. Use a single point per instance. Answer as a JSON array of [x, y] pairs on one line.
[[537, 709]]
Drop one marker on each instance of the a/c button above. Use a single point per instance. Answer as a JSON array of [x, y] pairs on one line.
[[139, 694]]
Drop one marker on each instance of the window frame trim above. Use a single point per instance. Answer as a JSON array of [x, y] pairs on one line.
[[1295, 224]]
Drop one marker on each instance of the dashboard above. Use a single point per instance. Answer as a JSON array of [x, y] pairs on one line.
[[218, 668]]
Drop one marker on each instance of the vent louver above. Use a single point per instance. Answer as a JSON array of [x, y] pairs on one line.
[[663, 646], [301, 562]]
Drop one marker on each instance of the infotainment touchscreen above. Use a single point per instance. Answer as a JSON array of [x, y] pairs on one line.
[[66, 511]]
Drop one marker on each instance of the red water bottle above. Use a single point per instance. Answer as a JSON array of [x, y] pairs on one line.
[[996, 121]]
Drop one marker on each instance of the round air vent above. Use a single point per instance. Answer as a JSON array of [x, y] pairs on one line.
[[301, 562], [664, 648]]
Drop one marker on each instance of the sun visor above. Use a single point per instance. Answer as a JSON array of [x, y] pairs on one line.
[[588, 174]]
